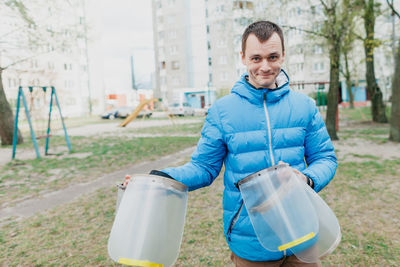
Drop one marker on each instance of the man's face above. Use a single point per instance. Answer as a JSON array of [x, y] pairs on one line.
[[263, 60]]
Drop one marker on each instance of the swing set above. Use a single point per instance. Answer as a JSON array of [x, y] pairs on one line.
[[34, 101]]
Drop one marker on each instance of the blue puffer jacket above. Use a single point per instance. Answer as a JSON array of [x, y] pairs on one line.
[[250, 130]]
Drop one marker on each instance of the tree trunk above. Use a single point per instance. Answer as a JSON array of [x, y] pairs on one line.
[[333, 91], [395, 114], [6, 118], [377, 105], [348, 80]]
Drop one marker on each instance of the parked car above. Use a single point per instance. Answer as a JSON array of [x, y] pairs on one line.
[[111, 114], [181, 109], [123, 112]]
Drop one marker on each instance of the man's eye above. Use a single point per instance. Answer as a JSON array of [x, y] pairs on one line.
[[256, 59], [273, 57]]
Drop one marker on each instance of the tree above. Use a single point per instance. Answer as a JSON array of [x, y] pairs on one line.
[[370, 12], [395, 114], [34, 30], [347, 46], [337, 15]]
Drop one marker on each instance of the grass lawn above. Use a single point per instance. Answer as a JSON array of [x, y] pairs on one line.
[[364, 195], [91, 158]]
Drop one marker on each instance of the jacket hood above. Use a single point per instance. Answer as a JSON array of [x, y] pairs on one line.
[[256, 95]]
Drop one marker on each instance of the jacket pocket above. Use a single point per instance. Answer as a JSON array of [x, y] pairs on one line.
[[234, 220]]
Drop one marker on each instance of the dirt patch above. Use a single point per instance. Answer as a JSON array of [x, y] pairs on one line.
[[358, 150]]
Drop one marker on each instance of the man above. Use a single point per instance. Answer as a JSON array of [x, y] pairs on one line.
[[260, 124]]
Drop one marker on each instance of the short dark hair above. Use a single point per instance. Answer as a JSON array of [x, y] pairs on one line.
[[263, 30]]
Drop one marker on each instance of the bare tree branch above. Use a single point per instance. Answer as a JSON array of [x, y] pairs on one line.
[[392, 8], [25, 59], [324, 4], [306, 31]]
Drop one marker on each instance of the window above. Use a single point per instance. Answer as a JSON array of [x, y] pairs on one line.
[[220, 9], [318, 49], [221, 43], [171, 20], [173, 50], [175, 65], [172, 35], [161, 36], [223, 76], [318, 67], [222, 60]]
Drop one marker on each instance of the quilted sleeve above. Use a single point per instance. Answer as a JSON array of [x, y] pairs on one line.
[[319, 152], [206, 161]]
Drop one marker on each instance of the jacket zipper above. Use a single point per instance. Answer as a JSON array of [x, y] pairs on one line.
[[234, 220], [269, 130], [270, 139]]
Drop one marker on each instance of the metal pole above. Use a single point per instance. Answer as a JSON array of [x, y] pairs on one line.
[[53, 91], [87, 58], [48, 125], [30, 123], [15, 136]]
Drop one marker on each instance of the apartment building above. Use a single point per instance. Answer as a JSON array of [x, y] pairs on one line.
[[47, 59], [306, 56], [180, 46]]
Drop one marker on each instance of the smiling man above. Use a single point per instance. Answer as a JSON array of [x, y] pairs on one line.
[[260, 124]]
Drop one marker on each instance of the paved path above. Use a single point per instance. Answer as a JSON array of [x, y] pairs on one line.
[[110, 128], [69, 194], [113, 128]]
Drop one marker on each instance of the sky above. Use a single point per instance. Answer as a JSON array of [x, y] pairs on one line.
[[127, 30]]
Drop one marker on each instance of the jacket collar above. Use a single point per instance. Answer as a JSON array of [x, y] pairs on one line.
[[256, 95]]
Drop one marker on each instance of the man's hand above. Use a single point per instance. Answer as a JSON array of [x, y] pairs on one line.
[[306, 179]]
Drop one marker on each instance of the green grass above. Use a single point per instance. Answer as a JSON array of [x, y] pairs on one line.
[[363, 195], [365, 199], [369, 131], [360, 113], [91, 158], [189, 128]]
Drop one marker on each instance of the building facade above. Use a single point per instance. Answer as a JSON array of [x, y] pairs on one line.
[[49, 52], [306, 56]]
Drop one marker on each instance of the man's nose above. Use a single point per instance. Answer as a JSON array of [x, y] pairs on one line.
[[265, 65]]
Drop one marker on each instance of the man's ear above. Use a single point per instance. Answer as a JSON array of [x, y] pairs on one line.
[[243, 57]]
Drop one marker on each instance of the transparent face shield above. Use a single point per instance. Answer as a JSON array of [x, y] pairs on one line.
[[279, 209], [287, 214], [329, 234], [148, 227]]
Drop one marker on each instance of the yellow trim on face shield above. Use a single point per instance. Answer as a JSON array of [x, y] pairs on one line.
[[296, 242], [131, 262]]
